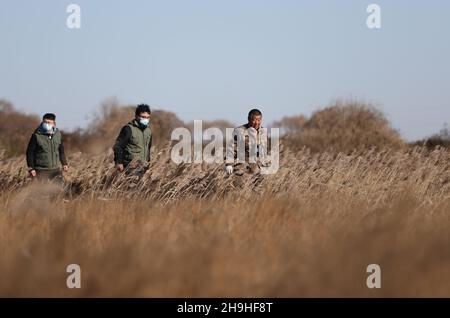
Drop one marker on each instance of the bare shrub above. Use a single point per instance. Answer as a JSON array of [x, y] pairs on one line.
[[342, 126]]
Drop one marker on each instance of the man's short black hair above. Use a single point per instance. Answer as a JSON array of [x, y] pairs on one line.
[[142, 108], [254, 112], [49, 116]]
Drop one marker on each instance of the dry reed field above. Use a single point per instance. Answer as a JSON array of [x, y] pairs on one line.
[[190, 230]]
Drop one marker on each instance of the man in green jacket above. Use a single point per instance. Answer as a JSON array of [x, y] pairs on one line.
[[45, 151], [132, 147]]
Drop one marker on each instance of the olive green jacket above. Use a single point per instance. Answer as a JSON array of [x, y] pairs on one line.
[[45, 150], [133, 143]]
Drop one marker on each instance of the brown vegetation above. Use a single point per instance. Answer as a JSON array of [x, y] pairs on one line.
[[311, 229], [15, 130], [105, 126], [441, 139], [342, 127]]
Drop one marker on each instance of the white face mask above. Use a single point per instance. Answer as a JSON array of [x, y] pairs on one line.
[[47, 126], [144, 121]]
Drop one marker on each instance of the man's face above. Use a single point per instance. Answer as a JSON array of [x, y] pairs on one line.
[[143, 119], [50, 122], [143, 116], [255, 121]]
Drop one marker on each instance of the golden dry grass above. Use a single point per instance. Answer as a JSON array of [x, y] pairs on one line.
[[189, 230]]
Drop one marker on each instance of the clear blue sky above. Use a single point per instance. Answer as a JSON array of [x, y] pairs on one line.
[[215, 59]]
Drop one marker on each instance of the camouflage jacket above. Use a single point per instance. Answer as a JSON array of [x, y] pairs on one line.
[[247, 150]]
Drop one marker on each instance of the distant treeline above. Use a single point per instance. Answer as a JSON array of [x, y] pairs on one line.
[[343, 126]]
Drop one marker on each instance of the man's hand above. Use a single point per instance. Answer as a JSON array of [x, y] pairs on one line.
[[65, 168], [33, 173], [119, 167], [229, 169]]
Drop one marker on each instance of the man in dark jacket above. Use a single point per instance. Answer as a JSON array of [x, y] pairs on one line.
[[45, 151], [132, 147]]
